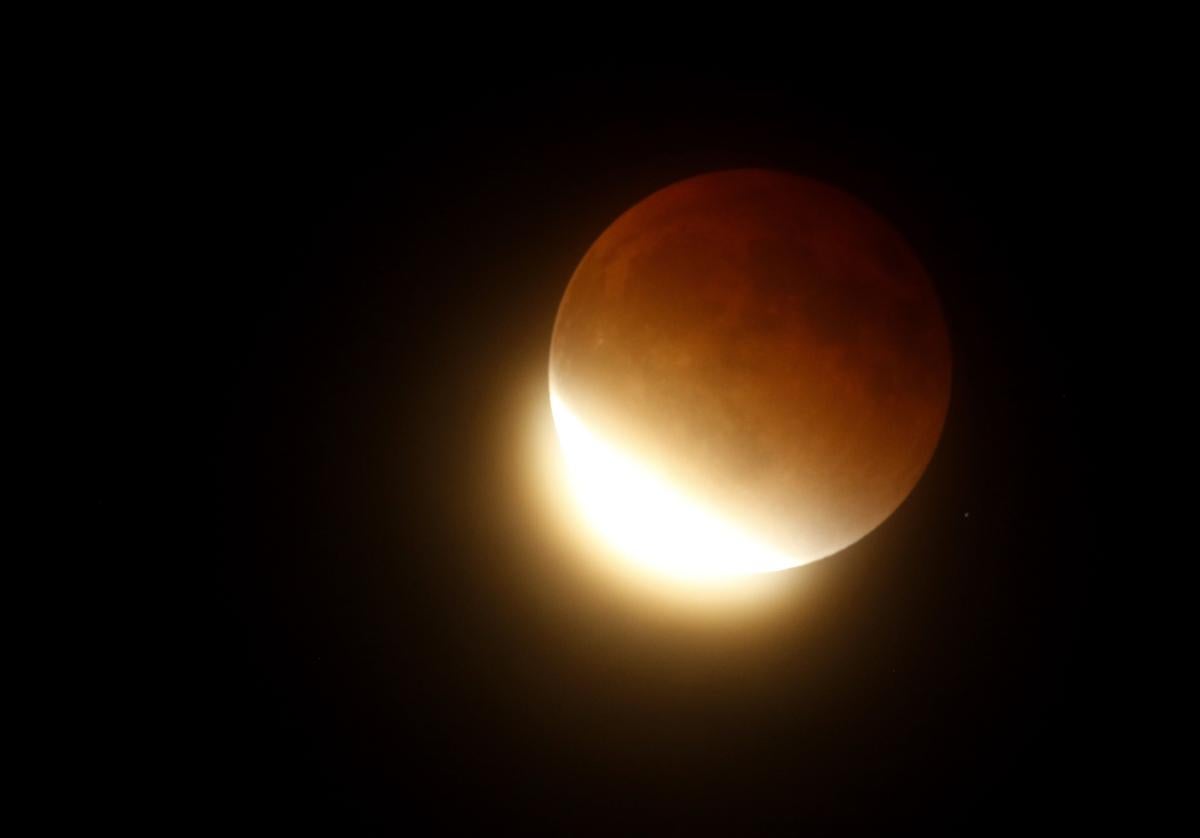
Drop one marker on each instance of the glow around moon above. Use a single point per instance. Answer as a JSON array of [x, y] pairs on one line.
[[749, 371]]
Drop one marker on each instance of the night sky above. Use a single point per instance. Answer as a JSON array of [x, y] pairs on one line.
[[401, 633]]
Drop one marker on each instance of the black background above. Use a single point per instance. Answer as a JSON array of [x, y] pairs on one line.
[[399, 637]]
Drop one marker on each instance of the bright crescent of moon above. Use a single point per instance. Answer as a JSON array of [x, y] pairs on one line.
[[649, 520]]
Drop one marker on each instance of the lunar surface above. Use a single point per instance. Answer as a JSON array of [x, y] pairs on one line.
[[764, 350]]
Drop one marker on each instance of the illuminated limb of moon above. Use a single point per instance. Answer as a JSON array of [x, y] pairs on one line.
[[650, 521]]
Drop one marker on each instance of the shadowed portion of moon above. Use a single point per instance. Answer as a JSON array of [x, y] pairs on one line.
[[770, 344]]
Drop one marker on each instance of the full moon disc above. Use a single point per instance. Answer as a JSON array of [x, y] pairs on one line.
[[749, 371]]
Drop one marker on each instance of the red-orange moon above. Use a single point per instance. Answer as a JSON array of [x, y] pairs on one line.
[[768, 342]]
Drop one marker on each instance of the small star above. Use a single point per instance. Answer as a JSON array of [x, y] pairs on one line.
[[966, 514]]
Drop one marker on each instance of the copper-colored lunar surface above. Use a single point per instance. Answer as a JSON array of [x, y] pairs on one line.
[[770, 345]]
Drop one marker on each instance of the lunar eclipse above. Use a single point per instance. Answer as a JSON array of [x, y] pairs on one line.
[[639, 450], [749, 371]]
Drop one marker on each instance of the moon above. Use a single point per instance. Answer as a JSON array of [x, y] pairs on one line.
[[749, 370]]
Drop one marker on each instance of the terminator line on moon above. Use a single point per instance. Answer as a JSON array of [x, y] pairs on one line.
[[749, 371]]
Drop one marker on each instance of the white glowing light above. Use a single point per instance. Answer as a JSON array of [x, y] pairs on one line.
[[649, 521]]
